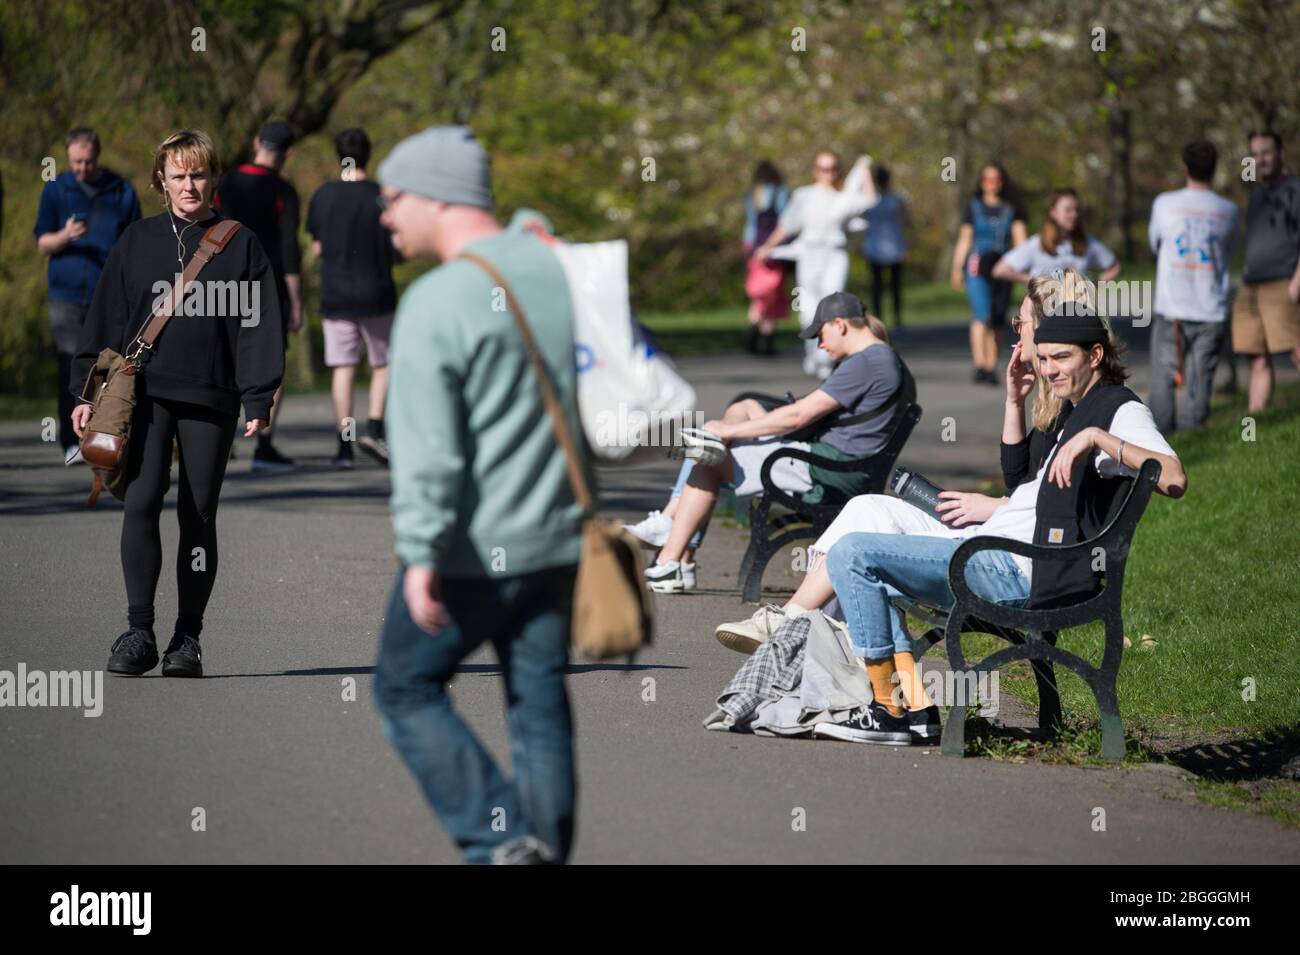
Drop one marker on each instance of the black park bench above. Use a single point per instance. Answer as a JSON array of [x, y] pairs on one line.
[[799, 519], [1032, 633]]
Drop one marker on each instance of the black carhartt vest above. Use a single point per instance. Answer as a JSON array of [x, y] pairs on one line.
[[1072, 514]]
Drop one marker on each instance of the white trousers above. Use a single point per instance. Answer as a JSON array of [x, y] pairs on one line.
[[881, 514], [818, 272]]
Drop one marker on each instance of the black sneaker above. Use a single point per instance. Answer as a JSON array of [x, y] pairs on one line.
[[133, 653], [377, 448], [184, 657], [267, 458], [926, 726], [344, 458], [868, 724]]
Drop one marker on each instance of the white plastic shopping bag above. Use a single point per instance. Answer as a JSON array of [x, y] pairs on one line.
[[631, 398]]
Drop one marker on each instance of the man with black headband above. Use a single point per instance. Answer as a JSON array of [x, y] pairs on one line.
[[1107, 437]]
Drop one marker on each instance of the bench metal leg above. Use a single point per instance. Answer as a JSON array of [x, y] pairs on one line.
[[752, 565], [953, 742], [921, 645]]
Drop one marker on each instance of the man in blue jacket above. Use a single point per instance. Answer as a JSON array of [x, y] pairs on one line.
[[81, 215]]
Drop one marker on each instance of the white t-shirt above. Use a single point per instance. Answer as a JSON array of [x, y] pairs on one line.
[[1192, 232], [818, 214], [1017, 518], [1030, 257]]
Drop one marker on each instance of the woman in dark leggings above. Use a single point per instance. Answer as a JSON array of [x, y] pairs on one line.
[[223, 347]]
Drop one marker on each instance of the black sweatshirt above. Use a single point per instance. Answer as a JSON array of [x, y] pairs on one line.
[[212, 358]]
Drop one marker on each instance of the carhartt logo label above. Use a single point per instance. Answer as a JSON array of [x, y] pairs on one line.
[[103, 908], [1055, 535]]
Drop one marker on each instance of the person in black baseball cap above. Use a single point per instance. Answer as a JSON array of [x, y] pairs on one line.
[[850, 416], [836, 305]]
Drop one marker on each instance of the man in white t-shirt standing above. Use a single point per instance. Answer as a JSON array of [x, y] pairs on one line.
[[1192, 232]]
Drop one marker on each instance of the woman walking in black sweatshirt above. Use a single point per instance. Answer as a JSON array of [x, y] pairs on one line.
[[218, 351]]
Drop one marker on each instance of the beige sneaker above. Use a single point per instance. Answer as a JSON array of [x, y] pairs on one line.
[[745, 636]]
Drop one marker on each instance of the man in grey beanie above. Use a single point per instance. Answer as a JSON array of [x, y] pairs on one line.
[[486, 526]]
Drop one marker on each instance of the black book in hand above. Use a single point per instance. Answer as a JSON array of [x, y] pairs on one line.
[[917, 491]]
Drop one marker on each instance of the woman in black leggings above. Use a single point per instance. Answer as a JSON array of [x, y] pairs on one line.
[[218, 351]]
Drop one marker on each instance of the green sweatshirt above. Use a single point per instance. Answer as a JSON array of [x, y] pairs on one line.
[[479, 485]]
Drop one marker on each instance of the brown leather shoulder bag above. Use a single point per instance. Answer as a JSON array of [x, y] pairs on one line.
[[110, 386]]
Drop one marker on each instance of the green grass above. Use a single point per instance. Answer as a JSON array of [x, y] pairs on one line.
[[1277, 798], [722, 329], [1213, 580]]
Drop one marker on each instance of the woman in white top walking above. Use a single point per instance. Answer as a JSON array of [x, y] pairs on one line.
[[817, 215], [1064, 243]]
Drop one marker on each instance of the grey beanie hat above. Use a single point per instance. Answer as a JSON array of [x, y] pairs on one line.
[[442, 162]]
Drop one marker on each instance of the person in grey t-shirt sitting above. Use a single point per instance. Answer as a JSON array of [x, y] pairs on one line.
[[866, 380]]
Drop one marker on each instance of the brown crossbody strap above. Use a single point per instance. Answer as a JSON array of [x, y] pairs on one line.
[[563, 434], [213, 241]]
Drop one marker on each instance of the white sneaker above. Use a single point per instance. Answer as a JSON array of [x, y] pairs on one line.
[[73, 456], [688, 576], [653, 531], [665, 578], [745, 636]]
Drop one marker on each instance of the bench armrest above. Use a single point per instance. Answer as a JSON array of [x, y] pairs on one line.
[[1115, 539]]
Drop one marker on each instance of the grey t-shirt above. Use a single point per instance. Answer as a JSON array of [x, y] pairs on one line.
[[861, 383], [1273, 230]]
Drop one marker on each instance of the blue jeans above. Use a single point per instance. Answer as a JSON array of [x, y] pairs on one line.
[[527, 619], [866, 570]]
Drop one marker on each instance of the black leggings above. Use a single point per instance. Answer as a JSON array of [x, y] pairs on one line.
[[878, 290], [204, 437]]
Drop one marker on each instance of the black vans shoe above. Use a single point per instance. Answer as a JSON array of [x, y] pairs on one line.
[[183, 657], [925, 725], [133, 653], [868, 724]]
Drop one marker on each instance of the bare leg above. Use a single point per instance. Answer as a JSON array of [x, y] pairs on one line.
[[695, 504], [976, 340], [341, 379], [276, 404], [378, 392], [1261, 381], [815, 590]]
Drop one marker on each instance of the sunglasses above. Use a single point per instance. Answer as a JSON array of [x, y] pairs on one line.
[[385, 202]]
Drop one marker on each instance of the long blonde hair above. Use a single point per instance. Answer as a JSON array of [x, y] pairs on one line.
[[1051, 291]]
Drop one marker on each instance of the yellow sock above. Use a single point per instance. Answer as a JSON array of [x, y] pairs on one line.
[[913, 688], [881, 673]]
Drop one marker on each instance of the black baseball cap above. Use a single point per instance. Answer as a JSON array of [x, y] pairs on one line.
[[277, 135], [833, 306]]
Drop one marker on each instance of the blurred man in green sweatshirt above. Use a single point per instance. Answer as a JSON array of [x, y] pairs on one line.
[[486, 526]]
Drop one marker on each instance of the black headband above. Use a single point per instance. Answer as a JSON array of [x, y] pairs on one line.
[[1080, 326]]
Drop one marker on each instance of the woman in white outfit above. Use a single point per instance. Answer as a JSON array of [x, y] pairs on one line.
[[817, 215]]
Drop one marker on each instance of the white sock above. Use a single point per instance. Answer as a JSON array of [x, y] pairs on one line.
[[792, 609]]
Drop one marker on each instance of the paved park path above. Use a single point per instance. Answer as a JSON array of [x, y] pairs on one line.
[[286, 769]]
